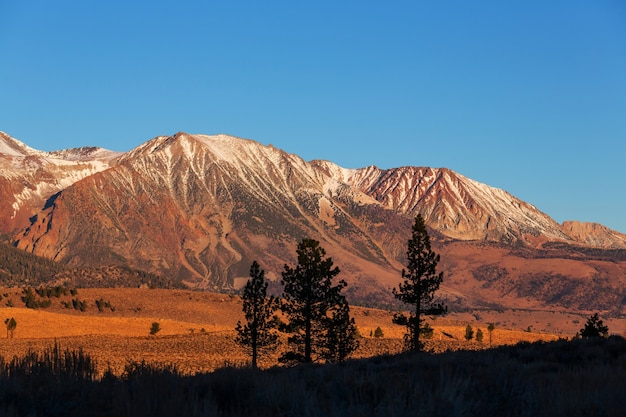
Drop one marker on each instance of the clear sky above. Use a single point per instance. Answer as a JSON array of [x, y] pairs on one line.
[[527, 96]]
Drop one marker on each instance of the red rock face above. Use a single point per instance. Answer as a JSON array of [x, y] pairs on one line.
[[594, 234], [200, 209], [456, 206]]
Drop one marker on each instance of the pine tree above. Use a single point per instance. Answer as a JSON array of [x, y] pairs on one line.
[[469, 333], [479, 335], [421, 280], [341, 336], [490, 329], [594, 328], [317, 312], [258, 333]]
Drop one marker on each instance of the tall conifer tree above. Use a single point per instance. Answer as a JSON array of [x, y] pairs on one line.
[[341, 334], [258, 333], [317, 312], [421, 280]]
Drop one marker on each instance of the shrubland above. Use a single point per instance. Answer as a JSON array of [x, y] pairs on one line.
[[581, 377]]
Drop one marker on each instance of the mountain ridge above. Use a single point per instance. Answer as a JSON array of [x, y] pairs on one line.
[[200, 208], [373, 181]]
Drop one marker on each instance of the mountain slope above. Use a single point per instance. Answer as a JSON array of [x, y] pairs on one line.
[[199, 209], [29, 177], [455, 205]]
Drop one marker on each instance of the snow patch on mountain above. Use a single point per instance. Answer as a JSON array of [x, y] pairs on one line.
[[188, 164], [43, 174], [13, 147]]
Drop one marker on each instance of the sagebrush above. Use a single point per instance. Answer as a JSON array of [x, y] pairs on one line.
[[562, 378]]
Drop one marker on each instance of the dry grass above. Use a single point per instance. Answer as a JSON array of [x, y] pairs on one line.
[[197, 329], [575, 379]]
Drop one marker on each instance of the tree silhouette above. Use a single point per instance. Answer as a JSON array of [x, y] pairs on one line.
[[490, 329], [421, 280], [155, 328], [258, 333], [11, 324], [341, 336], [594, 328], [479, 335], [378, 332], [317, 312], [469, 333]]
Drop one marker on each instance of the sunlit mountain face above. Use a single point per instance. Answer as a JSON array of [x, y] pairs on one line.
[[199, 209]]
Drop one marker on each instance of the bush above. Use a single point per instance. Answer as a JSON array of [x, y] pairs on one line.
[[30, 300], [155, 328], [76, 304], [102, 305], [45, 292], [378, 332], [564, 378], [11, 324], [79, 305], [427, 331]]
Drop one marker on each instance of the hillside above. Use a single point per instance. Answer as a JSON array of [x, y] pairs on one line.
[[198, 209], [20, 268]]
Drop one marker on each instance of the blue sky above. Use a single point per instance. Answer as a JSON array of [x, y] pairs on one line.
[[526, 96]]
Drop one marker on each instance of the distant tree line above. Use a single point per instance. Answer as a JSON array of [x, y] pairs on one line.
[[19, 268], [40, 297], [114, 276]]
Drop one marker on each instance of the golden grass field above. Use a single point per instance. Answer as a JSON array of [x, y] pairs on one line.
[[197, 329]]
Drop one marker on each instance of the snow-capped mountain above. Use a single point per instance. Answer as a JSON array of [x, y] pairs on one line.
[[201, 208], [28, 177], [456, 206]]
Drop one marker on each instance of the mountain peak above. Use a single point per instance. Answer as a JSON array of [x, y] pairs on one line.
[[13, 147], [183, 139], [200, 208], [455, 205], [85, 153], [29, 177]]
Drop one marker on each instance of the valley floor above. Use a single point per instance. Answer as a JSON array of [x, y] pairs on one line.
[[197, 329]]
